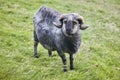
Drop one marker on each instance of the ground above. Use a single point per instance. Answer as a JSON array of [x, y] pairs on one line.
[[99, 55]]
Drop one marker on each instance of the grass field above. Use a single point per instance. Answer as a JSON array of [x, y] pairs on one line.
[[99, 56]]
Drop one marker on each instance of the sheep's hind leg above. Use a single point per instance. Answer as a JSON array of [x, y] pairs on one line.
[[35, 49], [35, 45], [50, 53]]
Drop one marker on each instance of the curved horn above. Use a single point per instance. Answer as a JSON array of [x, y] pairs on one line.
[[80, 19], [62, 17], [58, 23]]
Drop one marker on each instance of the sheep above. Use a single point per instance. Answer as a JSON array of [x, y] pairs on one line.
[[58, 32]]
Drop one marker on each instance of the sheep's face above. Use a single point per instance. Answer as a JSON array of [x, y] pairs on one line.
[[71, 24]]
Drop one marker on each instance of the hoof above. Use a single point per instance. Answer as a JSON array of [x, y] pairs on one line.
[[36, 56], [50, 55], [71, 68], [65, 70]]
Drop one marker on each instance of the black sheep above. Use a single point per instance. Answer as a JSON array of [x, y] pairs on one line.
[[56, 31]]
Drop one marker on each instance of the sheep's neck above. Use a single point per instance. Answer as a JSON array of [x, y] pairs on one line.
[[72, 43]]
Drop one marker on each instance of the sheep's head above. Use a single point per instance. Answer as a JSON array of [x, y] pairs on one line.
[[70, 23]]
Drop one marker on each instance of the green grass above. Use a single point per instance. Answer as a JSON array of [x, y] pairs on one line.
[[99, 56]]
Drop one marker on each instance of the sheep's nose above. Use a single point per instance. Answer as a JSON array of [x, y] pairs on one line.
[[68, 31]]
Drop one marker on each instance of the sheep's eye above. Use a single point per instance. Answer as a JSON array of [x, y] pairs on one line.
[[65, 21], [74, 22]]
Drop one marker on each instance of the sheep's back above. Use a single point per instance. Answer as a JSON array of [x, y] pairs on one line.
[[46, 15]]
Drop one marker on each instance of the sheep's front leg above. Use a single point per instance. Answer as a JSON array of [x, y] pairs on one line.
[[71, 62], [63, 57]]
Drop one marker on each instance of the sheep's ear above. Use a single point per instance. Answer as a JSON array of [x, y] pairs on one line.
[[58, 23], [83, 27]]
